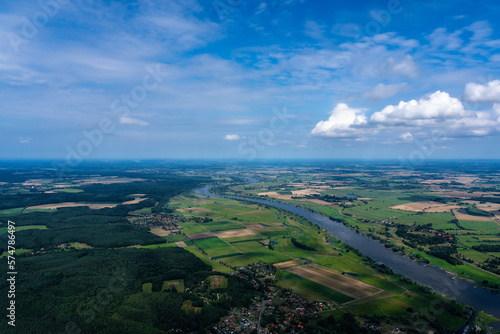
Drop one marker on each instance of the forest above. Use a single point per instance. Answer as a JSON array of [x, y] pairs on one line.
[[107, 227], [99, 290]]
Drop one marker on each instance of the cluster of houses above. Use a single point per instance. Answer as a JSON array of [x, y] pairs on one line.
[[278, 310]]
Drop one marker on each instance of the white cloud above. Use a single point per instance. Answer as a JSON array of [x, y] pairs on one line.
[[481, 30], [262, 7], [347, 30], [406, 137], [483, 93], [390, 38], [440, 38], [495, 57], [314, 30], [24, 140], [382, 91], [133, 121], [437, 111], [405, 67], [232, 137], [427, 110], [342, 123]]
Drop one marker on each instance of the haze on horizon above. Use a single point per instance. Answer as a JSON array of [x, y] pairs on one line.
[[249, 80]]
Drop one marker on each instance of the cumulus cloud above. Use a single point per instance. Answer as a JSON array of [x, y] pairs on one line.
[[232, 137], [405, 67], [483, 93], [427, 110], [343, 122], [382, 91], [438, 111], [133, 121]]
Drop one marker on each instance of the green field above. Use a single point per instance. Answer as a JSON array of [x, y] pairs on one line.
[[191, 228], [210, 243], [178, 284], [310, 289], [406, 304], [260, 252], [217, 226], [143, 211], [171, 244], [238, 260], [69, 190], [18, 252], [477, 212], [485, 227], [11, 212], [24, 227], [215, 265], [147, 288], [177, 237]]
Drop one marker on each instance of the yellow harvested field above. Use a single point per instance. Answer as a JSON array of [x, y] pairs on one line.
[[464, 216], [468, 180], [268, 193], [257, 227], [274, 194], [286, 264], [489, 207], [344, 284], [465, 179], [425, 206], [180, 244], [70, 205], [443, 208], [435, 181], [304, 192], [135, 201], [235, 233], [110, 180], [465, 194], [159, 231], [317, 201]]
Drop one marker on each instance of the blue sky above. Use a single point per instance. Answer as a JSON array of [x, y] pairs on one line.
[[247, 79]]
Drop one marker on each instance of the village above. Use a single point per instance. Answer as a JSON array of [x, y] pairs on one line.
[[277, 310]]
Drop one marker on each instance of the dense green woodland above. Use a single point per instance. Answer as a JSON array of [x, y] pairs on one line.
[[100, 291], [107, 228], [106, 193]]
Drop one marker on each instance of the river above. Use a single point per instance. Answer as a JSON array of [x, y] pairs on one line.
[[442, 282]]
